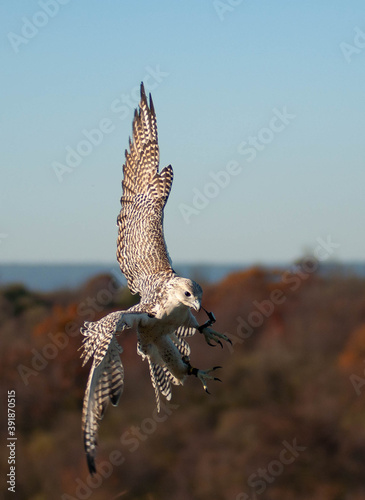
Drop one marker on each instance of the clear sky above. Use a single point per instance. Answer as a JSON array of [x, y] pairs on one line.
[[261, 112]]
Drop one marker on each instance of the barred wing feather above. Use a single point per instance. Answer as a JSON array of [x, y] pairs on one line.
[[105, 384], [141, 247]]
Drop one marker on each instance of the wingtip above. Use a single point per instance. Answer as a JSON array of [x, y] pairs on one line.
[[144, 98], [143, 93], [90, 458], [152, 108], [91, 464]]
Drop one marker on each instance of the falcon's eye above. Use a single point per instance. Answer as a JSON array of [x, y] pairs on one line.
[[187, 294]]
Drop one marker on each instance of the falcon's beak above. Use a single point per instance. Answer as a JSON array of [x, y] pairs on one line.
[[196, 305]]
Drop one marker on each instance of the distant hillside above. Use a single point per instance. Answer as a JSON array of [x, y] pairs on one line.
[[50, 277], [286, 423]]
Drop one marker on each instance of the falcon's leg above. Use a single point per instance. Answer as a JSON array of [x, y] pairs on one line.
[[210, 322], [202, 375], [209, 333]]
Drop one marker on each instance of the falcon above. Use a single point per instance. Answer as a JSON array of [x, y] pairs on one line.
[[163, 318]]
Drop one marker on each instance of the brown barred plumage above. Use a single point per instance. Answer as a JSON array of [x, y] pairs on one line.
[[163, 317], [141, 247]]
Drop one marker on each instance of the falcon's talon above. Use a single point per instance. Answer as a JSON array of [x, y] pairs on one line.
[[203, 375], [210, 334]]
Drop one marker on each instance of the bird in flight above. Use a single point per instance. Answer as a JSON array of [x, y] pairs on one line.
[[163, 318]]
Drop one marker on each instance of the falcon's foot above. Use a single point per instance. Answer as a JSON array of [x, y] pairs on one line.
[[202, 375], [210, 335]]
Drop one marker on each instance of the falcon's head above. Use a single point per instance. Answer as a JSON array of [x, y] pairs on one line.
[[188, 292]]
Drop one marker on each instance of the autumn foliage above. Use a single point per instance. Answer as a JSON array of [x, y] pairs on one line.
[[288, 421]]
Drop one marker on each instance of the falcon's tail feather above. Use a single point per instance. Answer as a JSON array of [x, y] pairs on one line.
[[161, 379]]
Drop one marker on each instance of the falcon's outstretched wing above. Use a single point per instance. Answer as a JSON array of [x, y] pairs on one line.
[[141, 247], [106, 378]]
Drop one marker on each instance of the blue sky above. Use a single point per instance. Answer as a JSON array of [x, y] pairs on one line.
[[260, 108]]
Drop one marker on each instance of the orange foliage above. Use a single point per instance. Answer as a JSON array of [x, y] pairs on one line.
[[56, 321], [354, 352]]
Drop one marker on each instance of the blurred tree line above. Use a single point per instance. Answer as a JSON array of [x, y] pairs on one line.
[[288, 421]]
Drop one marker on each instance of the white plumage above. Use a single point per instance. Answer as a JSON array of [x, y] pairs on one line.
[[163, 318]]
